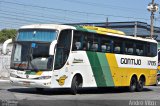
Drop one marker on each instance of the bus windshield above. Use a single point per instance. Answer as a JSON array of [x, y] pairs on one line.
[[31, 50], [31, 56]]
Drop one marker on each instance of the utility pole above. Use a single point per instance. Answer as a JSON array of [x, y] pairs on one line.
[[152, 7], [152, 19], [135, 29], [107, 22]]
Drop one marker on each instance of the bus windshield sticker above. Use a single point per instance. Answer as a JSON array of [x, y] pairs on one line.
[[33, 45]]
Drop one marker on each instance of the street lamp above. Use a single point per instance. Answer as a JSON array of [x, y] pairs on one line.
[[152, 7]]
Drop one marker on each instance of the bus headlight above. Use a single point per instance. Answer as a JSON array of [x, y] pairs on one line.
[[45, 77], [13, 75]]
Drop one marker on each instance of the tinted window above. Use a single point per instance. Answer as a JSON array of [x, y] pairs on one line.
[[109, 44], [63, 48], [36, 35]]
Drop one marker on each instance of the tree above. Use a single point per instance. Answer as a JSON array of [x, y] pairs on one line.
[[7, 34]]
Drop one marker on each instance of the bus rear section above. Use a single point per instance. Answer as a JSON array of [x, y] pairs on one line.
[[117, 60]]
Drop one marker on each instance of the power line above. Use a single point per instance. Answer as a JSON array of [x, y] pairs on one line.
[[7, 23], [11, 22], [64, 18], [42, 15], [24, 20], [88, 13], [104, 5], [24, 17], [68, 17]]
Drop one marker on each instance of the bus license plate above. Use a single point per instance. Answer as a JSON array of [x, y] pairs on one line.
[[26, 83]]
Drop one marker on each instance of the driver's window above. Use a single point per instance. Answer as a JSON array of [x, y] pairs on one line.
[[17, 56]]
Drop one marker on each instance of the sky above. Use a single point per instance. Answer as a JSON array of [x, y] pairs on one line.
[[16, 13]]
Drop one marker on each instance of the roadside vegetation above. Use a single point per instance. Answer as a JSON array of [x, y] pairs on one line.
[[7, 34]]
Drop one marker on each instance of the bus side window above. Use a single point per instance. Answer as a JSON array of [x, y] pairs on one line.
[[129, 48], [139, 49], [77, 41], [117, 47], [141, 52], [153, 49], [137, 52], [108, 48], [94, 47], [105, 44], [130, 51], [103, 48], [78, 45], [84, 46]]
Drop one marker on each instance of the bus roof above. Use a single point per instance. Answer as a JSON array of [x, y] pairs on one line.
[[47, 26], [111, 32], [99, 30]]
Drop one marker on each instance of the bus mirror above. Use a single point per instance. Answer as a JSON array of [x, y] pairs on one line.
[[5, 44], [52, 47]]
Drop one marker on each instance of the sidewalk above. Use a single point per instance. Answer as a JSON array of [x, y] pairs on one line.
[[4, 79]]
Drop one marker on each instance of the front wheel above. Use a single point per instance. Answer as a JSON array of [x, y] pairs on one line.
[[75, 85]]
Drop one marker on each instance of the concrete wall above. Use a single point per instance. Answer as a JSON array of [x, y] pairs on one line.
[[5, 62]]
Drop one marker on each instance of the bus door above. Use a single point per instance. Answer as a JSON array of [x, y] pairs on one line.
[[63, 49]]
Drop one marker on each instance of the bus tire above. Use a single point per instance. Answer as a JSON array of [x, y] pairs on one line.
[[157, 83], [39, 89], [76, 84], [140, 84], [133, 84]]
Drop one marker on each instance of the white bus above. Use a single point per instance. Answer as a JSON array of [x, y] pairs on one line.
[[62, 56]]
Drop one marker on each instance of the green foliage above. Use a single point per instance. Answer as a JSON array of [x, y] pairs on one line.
[[7, 34]]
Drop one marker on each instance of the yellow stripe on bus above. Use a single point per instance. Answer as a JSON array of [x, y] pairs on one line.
[[114, 68], [122, 76], [39, 73], [104, 30]]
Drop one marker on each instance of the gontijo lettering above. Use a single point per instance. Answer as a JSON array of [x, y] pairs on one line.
[[130, 61]]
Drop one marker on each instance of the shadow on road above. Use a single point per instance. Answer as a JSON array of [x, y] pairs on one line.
[[67, 91]]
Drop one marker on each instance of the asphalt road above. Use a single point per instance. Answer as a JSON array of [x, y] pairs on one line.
[[89, 96]]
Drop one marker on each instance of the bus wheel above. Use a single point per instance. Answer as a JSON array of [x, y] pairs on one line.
[[76, 83], [157, 82], [140, 84], [39, 89], [133, 84]]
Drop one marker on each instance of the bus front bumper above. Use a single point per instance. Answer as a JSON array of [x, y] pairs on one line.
[[40, 83]]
